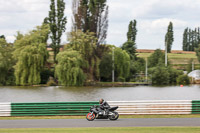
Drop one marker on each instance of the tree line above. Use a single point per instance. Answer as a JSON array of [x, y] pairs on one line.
[[191, 39], [86, 58]]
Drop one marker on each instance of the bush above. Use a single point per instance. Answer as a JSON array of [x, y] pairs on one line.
[[183, 80], [158, 57], [160, 76], [173, 75]]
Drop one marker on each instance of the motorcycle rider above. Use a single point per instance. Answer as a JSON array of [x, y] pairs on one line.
[[104, 106]]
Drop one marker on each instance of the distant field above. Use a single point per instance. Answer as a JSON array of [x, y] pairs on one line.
[[175, 58], [171, 56], [179, 59]]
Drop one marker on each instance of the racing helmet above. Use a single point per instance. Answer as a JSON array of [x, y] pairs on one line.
[[101, 101]]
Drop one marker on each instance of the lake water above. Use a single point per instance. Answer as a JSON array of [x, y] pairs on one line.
[[64, 94]]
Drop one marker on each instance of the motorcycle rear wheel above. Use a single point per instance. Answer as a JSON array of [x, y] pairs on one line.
[[114, 117], [90, 116]]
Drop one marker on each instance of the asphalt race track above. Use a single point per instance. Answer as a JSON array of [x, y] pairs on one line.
[[73, 123]]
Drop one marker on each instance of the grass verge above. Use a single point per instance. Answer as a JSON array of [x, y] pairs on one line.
[[108, 130], [83, 117]]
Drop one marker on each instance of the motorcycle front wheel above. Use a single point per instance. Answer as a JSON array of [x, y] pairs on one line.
[[90, 116], [115, 116]]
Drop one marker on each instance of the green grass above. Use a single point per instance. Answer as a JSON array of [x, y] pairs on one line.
[[83, 117], [108, 130], [182, 56], [160, 116], [178, 61], [41, 117], [144, 55], [171, 56]]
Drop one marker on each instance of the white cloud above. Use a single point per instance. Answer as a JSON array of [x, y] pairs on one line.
[[153, 17], [161, 24]]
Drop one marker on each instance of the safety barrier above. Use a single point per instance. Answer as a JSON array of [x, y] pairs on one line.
[[153, 107], [5, 109], [51, 109], [196, 107], [82, 108]]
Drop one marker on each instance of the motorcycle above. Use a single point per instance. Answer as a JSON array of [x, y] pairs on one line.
[[97, 113]]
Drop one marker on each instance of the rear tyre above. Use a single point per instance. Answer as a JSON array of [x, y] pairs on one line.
[[113, 117], [90, 116]]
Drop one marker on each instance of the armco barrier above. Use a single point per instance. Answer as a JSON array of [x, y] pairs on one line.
[[82, 108]]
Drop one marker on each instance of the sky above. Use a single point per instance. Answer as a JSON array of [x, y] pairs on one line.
[[153, 17]]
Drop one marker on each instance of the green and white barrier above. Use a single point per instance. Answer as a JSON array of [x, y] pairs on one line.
[[153, 107], [5, 109], [51, 109], [196, 107], [82, 108]]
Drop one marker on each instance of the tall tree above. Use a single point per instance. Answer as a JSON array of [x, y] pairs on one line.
[[57, 22], [31, 55], [197, 50], [130, 48], [69, 68], [6, 63], [132, 31], [191, 39], [92, 16], [85, 43], [198, 35], [130, 45], [169, 37], [185, 40], [122, 64]]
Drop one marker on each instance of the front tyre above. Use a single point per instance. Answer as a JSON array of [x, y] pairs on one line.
[[113, 117], [90, 116]]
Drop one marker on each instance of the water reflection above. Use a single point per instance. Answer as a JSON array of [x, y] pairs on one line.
[[62, 94]]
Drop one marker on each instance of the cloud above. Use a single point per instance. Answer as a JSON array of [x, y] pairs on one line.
[[153, 17], [155, 9], [21, 15], [159, 25]]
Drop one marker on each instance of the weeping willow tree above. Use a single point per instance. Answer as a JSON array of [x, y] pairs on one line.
[[6, 62], [31, 55], [69, 68], [122, 63], [85, 43]]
